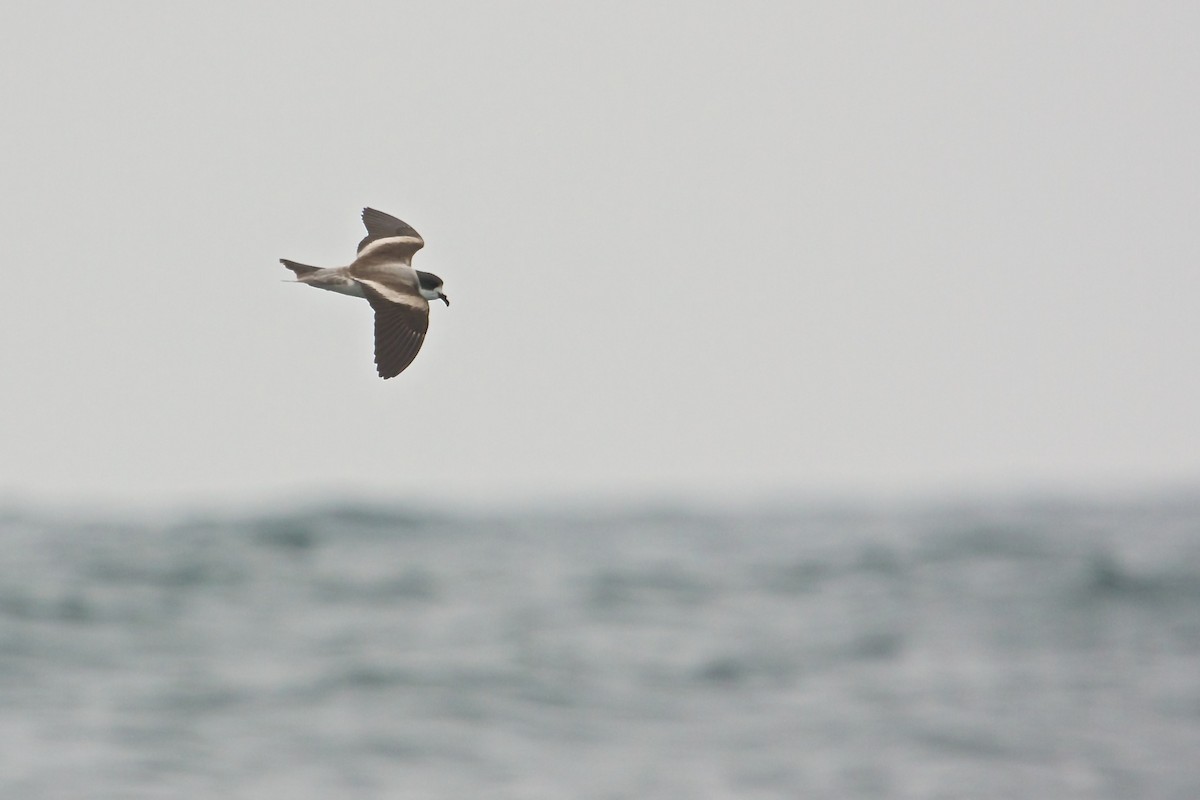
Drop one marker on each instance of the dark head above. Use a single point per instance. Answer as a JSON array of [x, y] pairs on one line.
[[431, 287]]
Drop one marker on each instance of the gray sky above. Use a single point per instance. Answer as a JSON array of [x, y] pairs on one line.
[[694, 249]]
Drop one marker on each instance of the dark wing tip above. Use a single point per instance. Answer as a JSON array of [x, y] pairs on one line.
[[395, 349]]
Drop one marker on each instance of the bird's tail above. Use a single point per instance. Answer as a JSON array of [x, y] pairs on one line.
[[300, 269]]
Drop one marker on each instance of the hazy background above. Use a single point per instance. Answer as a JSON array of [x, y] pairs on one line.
[[694, 250], [834, 257]]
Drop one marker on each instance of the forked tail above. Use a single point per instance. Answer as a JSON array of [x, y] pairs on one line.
[[300, 269]]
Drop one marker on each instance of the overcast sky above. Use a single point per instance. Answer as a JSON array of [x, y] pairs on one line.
[[694, 249]]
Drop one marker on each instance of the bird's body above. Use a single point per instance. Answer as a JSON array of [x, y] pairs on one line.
[[383, 275]]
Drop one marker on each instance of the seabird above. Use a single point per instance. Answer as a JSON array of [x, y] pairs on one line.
[[383, 274]]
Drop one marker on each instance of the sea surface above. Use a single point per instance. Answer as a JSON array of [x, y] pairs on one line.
[[986, 649]]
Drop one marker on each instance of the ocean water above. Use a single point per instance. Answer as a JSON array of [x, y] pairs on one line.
[[1012, 649]]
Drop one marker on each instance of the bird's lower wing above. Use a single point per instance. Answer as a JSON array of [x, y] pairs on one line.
[[399, 329]]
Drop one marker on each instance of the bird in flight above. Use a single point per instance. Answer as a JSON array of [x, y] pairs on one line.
[[383, 274]]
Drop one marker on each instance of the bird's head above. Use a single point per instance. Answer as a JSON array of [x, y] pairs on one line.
[[431, 287]]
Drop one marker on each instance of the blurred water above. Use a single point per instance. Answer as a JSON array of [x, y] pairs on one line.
[[977, 651]]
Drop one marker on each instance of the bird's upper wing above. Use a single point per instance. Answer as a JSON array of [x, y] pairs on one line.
[[401, 320], [384, 226]]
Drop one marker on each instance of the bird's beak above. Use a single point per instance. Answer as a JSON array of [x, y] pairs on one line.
[[445, 299]]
